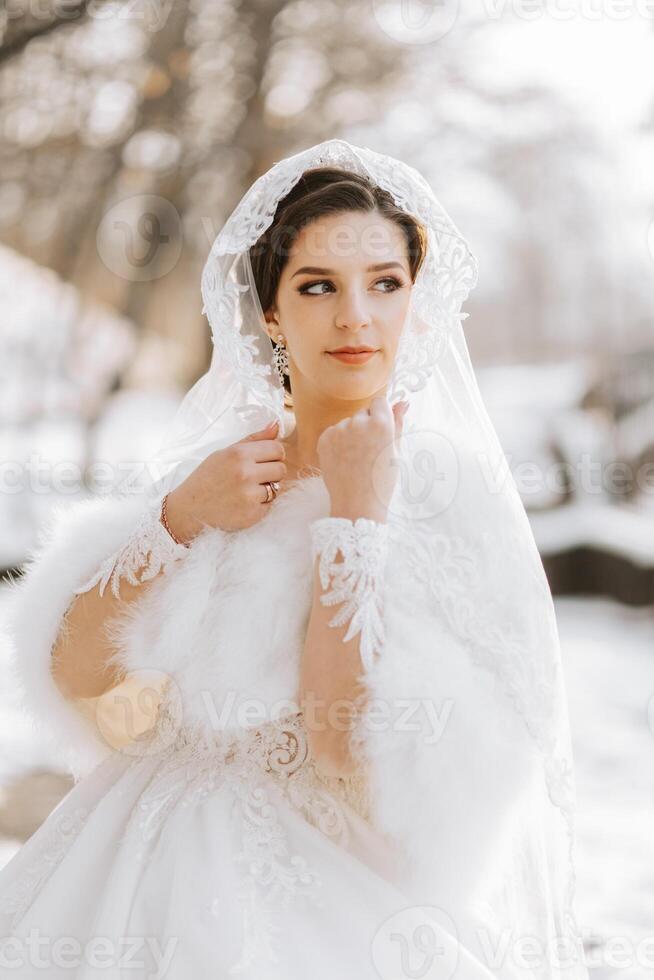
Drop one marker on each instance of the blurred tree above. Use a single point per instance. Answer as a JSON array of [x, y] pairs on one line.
[[131, 128], [21, 21]]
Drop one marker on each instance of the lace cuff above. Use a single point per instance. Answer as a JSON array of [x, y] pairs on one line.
[[150, 547], [357, 580]]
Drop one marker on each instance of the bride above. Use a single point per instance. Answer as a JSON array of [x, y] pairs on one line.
[[358, 761]]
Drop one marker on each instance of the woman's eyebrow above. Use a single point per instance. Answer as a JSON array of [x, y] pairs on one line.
[[317, 271]]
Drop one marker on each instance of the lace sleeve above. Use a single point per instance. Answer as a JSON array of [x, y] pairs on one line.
[[357, 580], [149, 547]]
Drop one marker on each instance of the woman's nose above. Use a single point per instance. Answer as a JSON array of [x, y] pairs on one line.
[[353, 311]]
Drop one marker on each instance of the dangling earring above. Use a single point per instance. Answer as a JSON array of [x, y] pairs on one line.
[[280, 358]]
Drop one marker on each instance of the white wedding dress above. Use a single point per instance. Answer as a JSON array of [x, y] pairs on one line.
[[151, 853], [217, 850], [221, 854]]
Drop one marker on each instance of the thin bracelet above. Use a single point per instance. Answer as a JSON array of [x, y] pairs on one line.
[[164, 521]]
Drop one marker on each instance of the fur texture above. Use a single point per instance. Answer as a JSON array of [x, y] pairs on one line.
[[226, 626], [70, 547]]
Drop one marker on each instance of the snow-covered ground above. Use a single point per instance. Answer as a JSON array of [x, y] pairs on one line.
[[608, 653]]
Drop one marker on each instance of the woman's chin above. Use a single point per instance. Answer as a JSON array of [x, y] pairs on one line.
[[358, 390]]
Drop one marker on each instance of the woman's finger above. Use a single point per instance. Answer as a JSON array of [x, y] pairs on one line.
[[264, 450], [270, 471]]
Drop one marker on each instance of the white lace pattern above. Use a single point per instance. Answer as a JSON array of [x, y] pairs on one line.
[[256, 764], [150, 547], [357, 580]]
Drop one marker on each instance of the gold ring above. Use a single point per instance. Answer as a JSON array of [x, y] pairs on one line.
[[270, 493]]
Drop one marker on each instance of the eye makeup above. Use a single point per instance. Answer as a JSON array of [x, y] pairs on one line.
[[304, 289]]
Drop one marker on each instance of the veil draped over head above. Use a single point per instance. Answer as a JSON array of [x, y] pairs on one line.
[[470, 571]]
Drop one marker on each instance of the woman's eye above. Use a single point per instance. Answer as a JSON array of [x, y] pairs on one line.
[[394, 282], [308, 287]]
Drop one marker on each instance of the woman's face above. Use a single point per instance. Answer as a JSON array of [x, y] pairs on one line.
[[330, 296]]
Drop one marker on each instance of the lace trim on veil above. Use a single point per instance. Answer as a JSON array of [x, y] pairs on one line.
[[448, 274]]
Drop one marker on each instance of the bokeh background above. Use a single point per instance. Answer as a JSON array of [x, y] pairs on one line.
[[130, 130]]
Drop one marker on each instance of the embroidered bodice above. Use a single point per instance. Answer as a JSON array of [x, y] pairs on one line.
[[275, 754]]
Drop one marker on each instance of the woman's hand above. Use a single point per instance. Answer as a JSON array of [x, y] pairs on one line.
[[358, 460], [227, 489]]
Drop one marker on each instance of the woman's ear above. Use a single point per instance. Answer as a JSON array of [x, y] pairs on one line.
[[272, 323]]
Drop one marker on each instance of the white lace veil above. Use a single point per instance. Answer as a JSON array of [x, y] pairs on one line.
[[475, 561]]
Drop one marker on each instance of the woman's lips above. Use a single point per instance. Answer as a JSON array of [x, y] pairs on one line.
[[350, 358]]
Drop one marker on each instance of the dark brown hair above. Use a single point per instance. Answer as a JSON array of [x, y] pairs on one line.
[[323, 191]]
